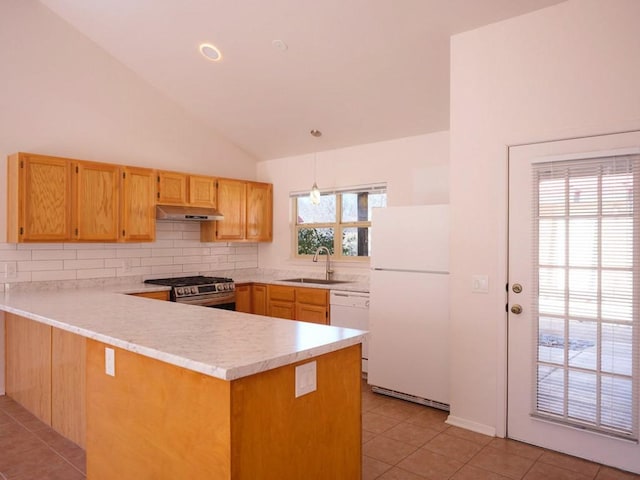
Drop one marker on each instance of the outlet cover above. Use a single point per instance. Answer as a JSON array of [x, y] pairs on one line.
[[110, 362], [480, 284], [306, 379]]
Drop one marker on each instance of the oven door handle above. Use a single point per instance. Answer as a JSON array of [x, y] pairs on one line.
[[207, 300]]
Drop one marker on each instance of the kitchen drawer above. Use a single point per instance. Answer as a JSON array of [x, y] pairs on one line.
[[278, 292], [312, 296]]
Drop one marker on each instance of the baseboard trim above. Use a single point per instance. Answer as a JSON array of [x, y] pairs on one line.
[[470, 425]]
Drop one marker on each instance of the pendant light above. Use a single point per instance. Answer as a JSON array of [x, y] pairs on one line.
[[314, 194]]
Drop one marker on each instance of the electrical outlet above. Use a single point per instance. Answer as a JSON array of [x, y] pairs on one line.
[[306, 381], [110, 361], [10, 270]]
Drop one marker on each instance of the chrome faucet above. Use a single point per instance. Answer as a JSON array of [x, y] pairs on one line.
[[329, 272]]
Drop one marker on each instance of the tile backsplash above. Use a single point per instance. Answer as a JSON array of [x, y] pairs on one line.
[[177, 250]]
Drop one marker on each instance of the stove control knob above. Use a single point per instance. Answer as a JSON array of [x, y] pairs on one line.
[[219, 287], [226, 286], [179, 291], [232, 286], [194, 289]]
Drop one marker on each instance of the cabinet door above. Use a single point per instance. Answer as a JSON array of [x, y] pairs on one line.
[[232, 201], [282, 309], [28, 365], [138, 217], [259, 212], [96, 201], [313, 296], [202, 191], [243, 298], [68, 372], [311, 313], [259, 299], [44, 198], [172, 188]]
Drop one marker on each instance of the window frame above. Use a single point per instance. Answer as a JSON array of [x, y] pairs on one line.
[[338, 226]]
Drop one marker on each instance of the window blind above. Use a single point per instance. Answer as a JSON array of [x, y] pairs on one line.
[[586, 259]]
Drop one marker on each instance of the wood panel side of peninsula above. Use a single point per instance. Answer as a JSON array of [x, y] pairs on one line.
[[155, 420]]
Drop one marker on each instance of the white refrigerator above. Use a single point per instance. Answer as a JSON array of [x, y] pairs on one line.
[[409, 304]]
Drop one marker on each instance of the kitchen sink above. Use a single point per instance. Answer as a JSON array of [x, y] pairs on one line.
[[314, 280]]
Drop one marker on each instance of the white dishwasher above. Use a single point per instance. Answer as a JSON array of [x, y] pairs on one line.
[[351, 310]]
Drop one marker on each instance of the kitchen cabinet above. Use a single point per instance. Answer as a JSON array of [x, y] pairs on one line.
[[312, 305], [259, 299], [243, 297], [248, 212], [172, 188], [259, 212], [232, 203], [298, 303], [51, 199], [175, 188], [164, 295], [202, 191], [251, 298], [96, 201], [38, 198], [138, 197]]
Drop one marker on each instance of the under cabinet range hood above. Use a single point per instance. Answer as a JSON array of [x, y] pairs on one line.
[[194, 214]]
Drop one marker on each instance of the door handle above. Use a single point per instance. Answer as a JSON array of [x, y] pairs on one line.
[[516, 309]]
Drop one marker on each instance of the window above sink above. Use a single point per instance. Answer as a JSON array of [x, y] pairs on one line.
[[341, 221]]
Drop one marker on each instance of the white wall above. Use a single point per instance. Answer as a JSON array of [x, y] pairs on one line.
[[564, 71], [60, 94], [416, 170]]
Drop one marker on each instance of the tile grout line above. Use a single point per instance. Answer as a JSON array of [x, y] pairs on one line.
[[41, 440]]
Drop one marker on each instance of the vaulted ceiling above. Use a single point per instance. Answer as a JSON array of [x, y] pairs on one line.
[[358, 70]]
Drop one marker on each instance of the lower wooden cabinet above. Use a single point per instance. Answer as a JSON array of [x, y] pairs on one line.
[[259, 299], [298, 303], [46, 374], [163, 295], [243, 298]]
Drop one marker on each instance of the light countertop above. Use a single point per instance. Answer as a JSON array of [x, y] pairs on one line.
[[223, 344]]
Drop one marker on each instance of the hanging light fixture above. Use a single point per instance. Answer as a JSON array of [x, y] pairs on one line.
[[314, 194]]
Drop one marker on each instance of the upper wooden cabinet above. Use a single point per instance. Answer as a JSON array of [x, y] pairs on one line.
[[232, 203], [138, 197], [97, 201], [38, 198], [176, 188], [259, 212], [202, 191], [248, 212], [172, 188], [53, 199]]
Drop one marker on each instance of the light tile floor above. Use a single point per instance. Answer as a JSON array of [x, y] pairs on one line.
[[401, 441]]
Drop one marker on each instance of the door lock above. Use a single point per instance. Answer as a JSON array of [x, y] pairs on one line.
[[516, 309], [517, 288]]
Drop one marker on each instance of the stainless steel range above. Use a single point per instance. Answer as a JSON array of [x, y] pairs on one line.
[[214, 292]]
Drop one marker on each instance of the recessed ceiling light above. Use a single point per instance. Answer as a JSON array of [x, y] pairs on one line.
[[210, 52], [280, 45]]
